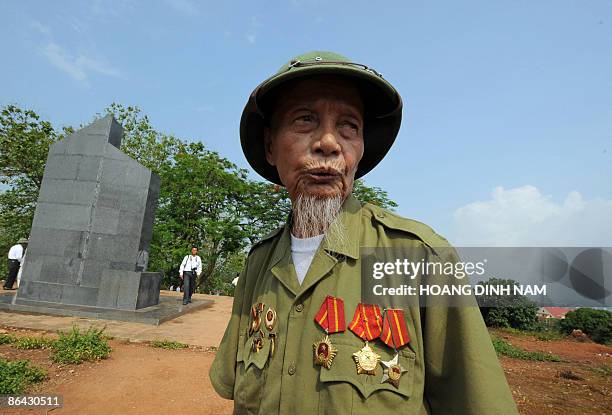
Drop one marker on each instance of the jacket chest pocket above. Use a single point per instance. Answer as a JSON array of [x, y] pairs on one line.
[[343, 391], [251, 376]]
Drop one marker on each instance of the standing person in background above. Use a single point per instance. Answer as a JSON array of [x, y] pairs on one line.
[[15, 258], [191, 267]]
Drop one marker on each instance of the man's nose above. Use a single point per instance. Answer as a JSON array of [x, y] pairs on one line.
[[327, 144]]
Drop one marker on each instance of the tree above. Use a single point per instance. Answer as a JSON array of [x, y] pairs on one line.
[[199, 205], [374, 195], [24, 139], [596, 323], [513, 310]]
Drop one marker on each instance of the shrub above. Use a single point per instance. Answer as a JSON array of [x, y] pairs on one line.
[[28, 343], [168, 344], [515, 311], [16, 376], [6, 339], [503, 348], [597, 324], [75, 347]]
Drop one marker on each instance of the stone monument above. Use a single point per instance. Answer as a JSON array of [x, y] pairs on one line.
[[93, 223]]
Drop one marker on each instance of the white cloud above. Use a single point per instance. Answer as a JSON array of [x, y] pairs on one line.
[[63, 61], [250, 39], [523, 216], [77, 67], [98, 66]]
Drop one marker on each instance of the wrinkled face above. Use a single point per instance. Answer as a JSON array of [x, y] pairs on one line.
[[194, 251], [315, 138]]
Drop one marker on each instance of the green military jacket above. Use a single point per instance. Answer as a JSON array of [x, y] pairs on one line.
[[451, 365]]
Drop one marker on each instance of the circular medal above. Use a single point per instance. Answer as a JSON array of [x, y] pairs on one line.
[[270, 319]]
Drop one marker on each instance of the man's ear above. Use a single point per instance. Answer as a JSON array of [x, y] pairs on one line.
[[268, 145]]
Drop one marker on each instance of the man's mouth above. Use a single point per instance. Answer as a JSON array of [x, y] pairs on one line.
[[323, 174]]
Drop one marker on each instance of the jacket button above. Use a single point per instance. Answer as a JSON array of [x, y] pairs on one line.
[[291, 369], [299, 307]]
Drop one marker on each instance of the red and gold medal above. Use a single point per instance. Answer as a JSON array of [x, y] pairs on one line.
[[394, 331], [331, 318], [366, 324], [394, 334]]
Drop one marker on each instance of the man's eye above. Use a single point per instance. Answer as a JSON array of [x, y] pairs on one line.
[[305, 118], [353, 127]]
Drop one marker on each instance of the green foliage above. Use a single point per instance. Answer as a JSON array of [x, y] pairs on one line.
[[547, 336], [16, 376], [374, 195], [503, 348], [515, 311], [75, 347], [29, 343], [168, 344], [221, 280], [597, 324], [25, 141], [6, 339]]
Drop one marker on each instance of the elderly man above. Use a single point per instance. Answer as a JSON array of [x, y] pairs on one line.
[[301, 338]]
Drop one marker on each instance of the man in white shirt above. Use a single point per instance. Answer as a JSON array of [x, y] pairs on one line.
[[15, 258], [190, 268]]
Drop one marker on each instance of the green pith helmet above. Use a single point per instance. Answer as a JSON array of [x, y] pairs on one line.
[[382, 108]]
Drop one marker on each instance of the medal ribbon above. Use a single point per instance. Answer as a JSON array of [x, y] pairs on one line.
[[394, 332], [331, 315], [367, 321]]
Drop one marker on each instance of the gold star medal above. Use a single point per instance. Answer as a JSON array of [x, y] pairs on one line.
[[366, 324], [392, 371], [324, 352], [331, 318], [366, 360]]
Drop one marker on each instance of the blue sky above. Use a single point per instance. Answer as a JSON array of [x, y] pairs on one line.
[[508, 104]]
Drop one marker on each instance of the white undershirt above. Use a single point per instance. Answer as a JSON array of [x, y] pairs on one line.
[[302, 252]]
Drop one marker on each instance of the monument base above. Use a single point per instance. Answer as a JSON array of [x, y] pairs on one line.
[[124, 290], [168, 307]]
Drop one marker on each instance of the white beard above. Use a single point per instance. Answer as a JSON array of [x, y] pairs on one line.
[[314, 216]]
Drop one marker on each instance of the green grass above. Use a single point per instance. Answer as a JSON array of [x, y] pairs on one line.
[[29, 343], [168, 344], [16, 376], [75, 347], [6, 339], [545, 335], [503, 348], [603, 370]]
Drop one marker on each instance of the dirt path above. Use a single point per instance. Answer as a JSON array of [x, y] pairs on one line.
[[140, 379], [582, 384], [135, 379]]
